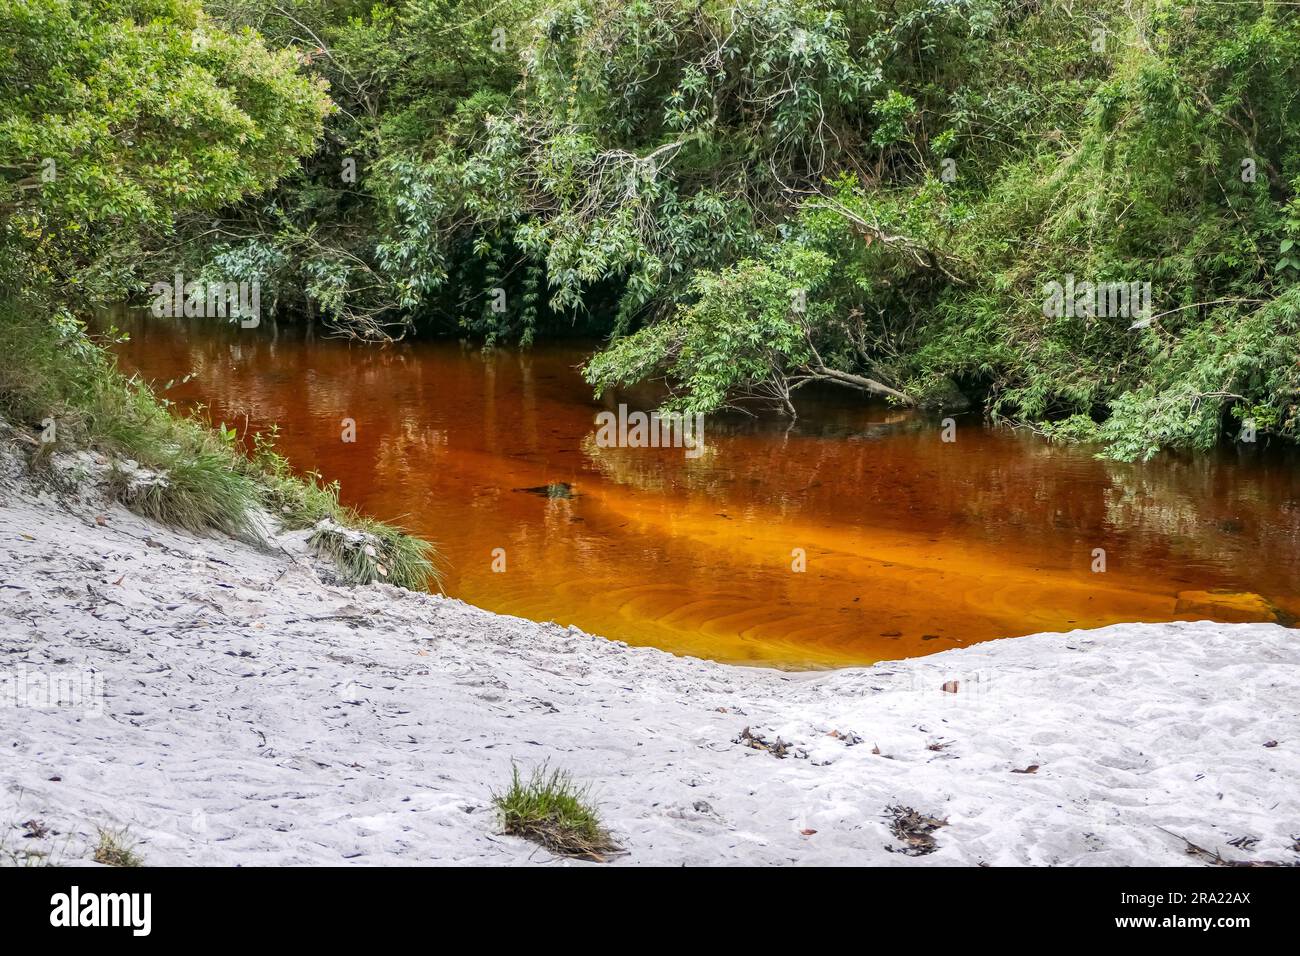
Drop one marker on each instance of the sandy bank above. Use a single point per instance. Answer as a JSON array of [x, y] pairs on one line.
[[254, 714]]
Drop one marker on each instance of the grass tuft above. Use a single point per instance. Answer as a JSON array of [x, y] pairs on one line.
[[114, 850], [369, 551], [195, 494], [552, 810]]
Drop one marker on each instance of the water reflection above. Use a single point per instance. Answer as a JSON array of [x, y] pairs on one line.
[[913, 545]]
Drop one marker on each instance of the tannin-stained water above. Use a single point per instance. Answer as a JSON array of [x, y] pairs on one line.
[[912, 544]]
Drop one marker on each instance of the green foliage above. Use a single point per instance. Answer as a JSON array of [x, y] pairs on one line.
[[196, 491], [743, 336], [665, 171], [550, 809], [365, 233], [892, 113], [1145, 185], [1243, 363], [115, 116], [1130, 164], [604, 150], [170, 469]]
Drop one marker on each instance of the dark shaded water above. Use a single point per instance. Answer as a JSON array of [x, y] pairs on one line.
[[912, 545]]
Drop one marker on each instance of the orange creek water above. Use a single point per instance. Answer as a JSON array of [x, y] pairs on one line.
[[911, 544]]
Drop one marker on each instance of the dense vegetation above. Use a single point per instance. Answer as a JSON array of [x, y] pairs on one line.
[[117, 119], [914, 198]]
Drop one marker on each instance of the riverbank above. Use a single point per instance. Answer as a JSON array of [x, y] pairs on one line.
[[254, 713], [908, 544]]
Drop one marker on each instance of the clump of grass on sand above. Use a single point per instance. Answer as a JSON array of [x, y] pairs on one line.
[[172, 469], [358, 546], [179, 470], [552, 810], [369, 551], [195, 494], [115, 850]]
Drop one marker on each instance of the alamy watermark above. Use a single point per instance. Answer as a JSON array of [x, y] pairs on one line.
[[208, 300], [1071, 299], [75, 908], [651, 430], [49, 690]]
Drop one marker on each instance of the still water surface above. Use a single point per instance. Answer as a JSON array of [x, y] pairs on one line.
[[912, 545]]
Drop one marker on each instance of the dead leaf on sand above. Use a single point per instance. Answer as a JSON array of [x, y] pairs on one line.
[[1217, 859], [914, 829], [777, 748]]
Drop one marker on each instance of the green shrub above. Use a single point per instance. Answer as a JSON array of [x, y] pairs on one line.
[[550, 809]]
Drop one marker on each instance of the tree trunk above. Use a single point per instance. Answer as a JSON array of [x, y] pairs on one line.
[[858, 381]]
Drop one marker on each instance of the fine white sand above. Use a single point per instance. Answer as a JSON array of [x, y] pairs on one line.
[[255, 715]]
